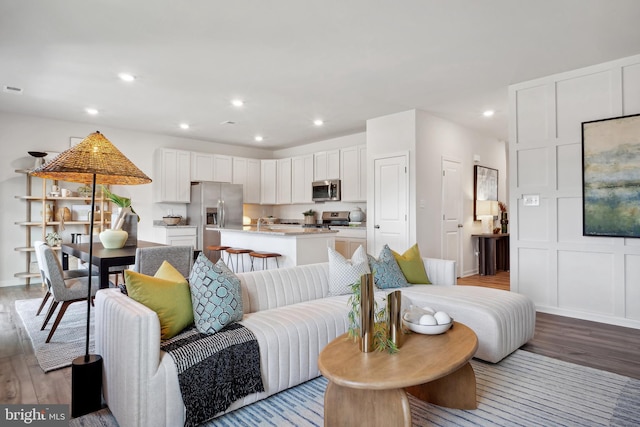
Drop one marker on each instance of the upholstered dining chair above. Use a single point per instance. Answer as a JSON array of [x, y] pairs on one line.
[[68, 274], [148, 260], [65, 291]]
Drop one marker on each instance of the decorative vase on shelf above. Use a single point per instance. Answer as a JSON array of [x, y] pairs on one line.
[[113, 239]]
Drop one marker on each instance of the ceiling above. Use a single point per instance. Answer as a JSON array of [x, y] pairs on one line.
[[293, 61]]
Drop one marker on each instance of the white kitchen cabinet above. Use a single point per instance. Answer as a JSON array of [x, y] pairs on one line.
[[222, 168], [326, 165], [172, 175], [301, 179], [247, 173], [180, 236], [353, 173], [268, 181], [201, 166], [283, 193]]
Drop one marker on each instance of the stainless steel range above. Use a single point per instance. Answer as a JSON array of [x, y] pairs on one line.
[[331, 218]]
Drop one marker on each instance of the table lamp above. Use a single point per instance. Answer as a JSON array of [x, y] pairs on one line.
[[485, 211], [95, 160]]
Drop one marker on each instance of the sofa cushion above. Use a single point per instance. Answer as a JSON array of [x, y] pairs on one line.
[[412, 265], [386, 271], [215, 294], [169, 272], [344, 272], [170, 299]]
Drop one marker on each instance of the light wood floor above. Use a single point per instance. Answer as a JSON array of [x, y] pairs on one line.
[[587, 343]]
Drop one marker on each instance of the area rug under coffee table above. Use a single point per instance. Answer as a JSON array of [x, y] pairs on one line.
[[525, 389]]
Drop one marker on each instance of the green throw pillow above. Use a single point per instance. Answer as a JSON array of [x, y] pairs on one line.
[[171, 300], [412, 265]]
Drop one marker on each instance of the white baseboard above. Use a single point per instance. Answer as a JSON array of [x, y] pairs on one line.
[[594, 317]]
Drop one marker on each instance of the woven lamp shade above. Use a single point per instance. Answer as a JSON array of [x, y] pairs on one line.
[[94, 155]]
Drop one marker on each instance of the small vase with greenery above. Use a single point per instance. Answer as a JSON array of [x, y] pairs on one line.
[[381, 340], [309, 216], [122, 202]]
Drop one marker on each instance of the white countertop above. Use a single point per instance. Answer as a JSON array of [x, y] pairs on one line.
[[277, 231]]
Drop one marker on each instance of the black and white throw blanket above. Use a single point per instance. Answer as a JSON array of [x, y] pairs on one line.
[[215, 370]]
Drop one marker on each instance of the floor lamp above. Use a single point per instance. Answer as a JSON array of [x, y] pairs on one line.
[[95, 160]]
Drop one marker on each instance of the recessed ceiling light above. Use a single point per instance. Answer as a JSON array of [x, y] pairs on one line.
[[488, 113], [126, 77], [91, 111], [318, 122], [259, 138], [237, 102], [184, 125]]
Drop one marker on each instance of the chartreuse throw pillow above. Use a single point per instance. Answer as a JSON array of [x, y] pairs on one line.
[[215, 295], [165, 293], [386, 272], [344, 272], [412, 265]]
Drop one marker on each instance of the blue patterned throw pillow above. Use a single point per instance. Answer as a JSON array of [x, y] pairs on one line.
[[386, 271], [215, 294]]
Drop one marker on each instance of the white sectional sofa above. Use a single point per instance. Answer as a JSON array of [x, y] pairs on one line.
[[293, 319]]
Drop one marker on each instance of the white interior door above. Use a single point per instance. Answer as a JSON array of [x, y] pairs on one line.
[[391, 204], [452, 212]]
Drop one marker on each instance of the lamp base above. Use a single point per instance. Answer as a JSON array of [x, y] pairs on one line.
[[86, 385]]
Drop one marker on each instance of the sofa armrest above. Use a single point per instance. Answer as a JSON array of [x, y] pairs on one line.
[[441, 271], [127, 336]]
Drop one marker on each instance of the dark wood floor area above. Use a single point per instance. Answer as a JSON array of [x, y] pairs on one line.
[[598, 345]]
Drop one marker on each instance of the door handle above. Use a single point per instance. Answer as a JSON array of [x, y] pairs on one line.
[[460, 225], [376, 226]]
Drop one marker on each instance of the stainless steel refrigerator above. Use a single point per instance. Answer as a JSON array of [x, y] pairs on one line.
[[214, 205]]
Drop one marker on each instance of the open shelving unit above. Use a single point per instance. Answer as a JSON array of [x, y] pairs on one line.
[[39, 220]]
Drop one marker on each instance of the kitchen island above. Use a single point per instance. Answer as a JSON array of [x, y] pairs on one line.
[[297, 245]]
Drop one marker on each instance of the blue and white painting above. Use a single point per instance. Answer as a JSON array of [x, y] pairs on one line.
[[611, 177]]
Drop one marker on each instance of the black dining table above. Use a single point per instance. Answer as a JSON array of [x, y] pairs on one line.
[[103, 258]]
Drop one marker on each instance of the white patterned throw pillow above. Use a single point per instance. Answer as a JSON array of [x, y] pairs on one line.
[[343, 272], [215, 295]]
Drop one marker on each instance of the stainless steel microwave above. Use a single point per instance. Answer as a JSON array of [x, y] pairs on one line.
[[327, 190]]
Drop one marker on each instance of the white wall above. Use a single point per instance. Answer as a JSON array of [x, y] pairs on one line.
[[19, 134], [429, 139], [564, 272]]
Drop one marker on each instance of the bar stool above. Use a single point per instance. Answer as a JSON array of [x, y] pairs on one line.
[[216, 248], [238, 252], [265, 257]]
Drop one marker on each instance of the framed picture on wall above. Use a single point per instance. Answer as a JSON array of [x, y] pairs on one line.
[[611, 177], [485, 186]]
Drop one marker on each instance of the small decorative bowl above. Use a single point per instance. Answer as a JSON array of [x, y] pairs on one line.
[[428, 329], [171, 220]]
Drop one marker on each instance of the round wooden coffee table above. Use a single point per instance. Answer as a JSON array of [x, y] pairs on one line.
[[370, 388]]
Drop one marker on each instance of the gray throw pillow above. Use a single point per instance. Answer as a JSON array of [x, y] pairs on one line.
[[215, 295], [386, 271]]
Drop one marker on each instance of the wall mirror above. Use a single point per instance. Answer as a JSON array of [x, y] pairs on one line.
[[485, 186]]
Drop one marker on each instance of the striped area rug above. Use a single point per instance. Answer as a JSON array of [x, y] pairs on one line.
[[525, 389]]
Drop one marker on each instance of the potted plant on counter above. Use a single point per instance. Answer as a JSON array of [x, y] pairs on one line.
[[309, 216]]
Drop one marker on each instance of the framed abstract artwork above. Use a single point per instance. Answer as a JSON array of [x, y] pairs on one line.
[[611, 177], [485, 185]]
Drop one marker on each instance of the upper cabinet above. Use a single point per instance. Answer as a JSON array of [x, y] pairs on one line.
[[222, 168], [247, 172], [201, 167], [353, 173], [326, 165], [301, 179], [172, 175], [268, 181], [211, 167], [284, 181]]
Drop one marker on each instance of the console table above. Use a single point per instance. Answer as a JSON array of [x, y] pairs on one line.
[[494, 253]]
